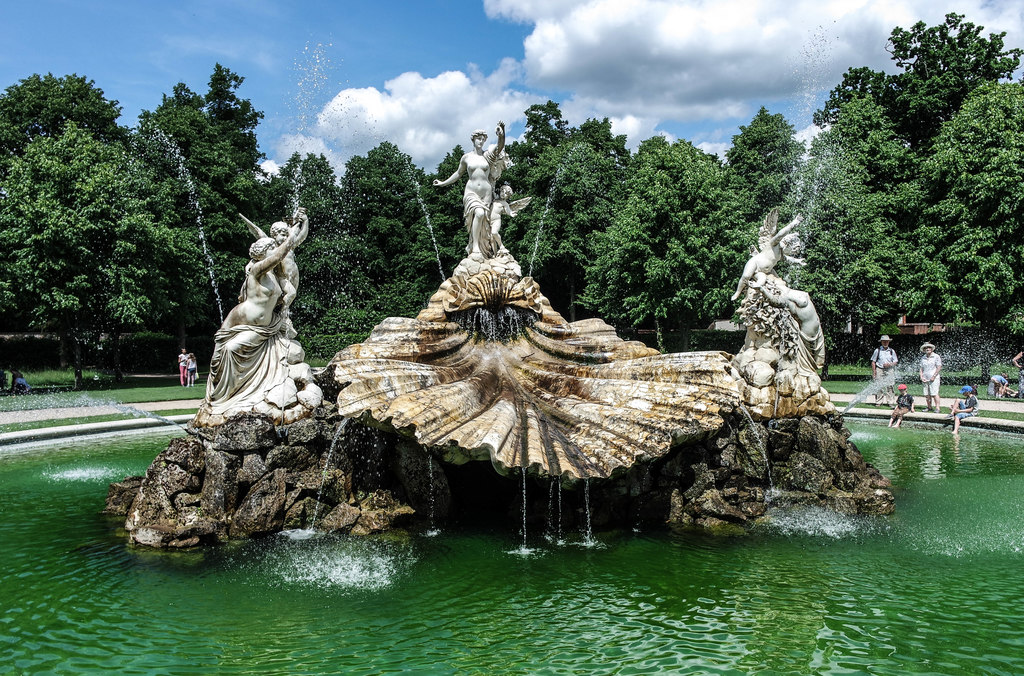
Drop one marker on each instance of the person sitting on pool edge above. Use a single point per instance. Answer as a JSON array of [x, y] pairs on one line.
[[965, 407], [904, 405]]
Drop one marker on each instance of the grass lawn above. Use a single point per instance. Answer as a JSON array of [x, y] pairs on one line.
[[132, 390]]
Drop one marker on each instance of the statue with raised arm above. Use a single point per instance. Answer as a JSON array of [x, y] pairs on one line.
[[774, 246], [288, 271], [483, 168], [256, 365]]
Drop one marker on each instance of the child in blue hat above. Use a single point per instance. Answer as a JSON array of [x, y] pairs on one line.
[[965, 407]]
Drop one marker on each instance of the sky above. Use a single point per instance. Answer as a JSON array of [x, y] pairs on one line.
[[338, 77]]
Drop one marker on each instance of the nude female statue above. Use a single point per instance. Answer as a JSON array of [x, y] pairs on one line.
[[263, 288], [483, 169], [287, 271]]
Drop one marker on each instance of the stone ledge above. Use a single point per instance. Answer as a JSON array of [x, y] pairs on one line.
[[940, 419], [67, 431]]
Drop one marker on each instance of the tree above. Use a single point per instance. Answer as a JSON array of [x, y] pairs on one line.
[[941, 65], [83, 254], [574, 187], [860, 199], [310, 182], [43, 105], [392, 267], [762, 162], [216, 178], [976, 227], [667, 253]]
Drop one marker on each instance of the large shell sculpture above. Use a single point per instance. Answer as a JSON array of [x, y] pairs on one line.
[[489, 370]]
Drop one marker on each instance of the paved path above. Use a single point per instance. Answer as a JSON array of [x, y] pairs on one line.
[[1011, 405]]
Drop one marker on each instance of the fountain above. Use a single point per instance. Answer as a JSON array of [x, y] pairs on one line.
[[490, 389]]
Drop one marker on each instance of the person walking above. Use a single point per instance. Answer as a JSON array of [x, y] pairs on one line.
[[183, 367], [931, 367], [883, 372]]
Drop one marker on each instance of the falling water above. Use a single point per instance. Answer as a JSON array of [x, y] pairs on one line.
[[762, 441], [139, 413], [431, 530], [323, 475], [551, 509], [588, 533], [523, 472], [559, 538], [426, 216], [501, 325], [547, 205], [645, 487], [193, 199]]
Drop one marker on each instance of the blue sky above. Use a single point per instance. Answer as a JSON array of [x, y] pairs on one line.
[[339, 77]]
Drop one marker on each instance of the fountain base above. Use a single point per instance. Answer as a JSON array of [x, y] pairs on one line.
[[250, 478]]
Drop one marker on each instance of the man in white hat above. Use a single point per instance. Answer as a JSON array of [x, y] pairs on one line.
[[931, 367], [883, 372]]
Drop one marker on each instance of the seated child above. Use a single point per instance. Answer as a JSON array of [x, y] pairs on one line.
[[904, 405], [965, 407]]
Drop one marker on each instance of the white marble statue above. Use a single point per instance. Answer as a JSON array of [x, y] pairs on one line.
[[256, 365], [805, 346], [483, 168], [493, 245], [785, 345], [288, 271], [774, 246]]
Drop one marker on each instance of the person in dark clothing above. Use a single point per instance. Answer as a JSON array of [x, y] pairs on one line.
[[904, 405], [18, 384]]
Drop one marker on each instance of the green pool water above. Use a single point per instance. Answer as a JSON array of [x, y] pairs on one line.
[[937, 588]]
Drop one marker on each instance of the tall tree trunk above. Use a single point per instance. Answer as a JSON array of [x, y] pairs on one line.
[[78, 363], [182, 337], [572, 298], [66, 348], [659, 336], [118, 373], [684, 334]]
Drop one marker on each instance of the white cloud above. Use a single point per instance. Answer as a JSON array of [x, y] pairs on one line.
[[714, 59], [647, 65], [424, 116], [715, 148], [808, 134]]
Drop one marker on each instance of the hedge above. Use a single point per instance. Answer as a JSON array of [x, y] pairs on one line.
[[29, 353]]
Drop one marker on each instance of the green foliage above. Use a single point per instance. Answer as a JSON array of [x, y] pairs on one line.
[[42, 106], [941, 65], [667, 255], [216, 137], [976, 220], [762, 162], [83, 254], [574, 186]]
